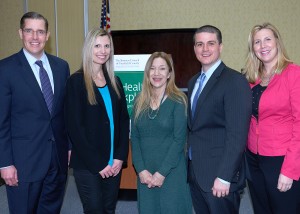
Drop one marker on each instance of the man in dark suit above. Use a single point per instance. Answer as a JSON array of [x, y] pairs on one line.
[[218, 121], [33, 140]]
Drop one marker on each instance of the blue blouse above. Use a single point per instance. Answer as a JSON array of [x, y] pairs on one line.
[[107, 101]]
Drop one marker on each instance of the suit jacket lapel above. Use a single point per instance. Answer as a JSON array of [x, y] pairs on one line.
[[30, 79], [99, 98], [208, 87], [112, 93], [114, 99]]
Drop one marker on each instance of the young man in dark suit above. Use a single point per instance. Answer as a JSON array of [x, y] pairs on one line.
[[33, 139], [218, 121]]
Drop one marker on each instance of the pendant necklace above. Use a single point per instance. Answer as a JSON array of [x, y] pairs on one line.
[[152, 116], [266, 79]]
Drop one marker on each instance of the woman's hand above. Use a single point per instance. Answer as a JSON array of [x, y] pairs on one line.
[[117, 166], [107, 172], [284, 183], [157, 180], [145, 177]]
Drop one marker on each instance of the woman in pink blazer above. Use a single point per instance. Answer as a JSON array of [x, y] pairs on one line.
[[273, 149]]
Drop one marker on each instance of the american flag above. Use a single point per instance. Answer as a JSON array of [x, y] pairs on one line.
[[105, 16]]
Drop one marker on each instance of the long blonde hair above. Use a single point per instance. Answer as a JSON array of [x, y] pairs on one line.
[[87, 63], [254, 67], [172, 91]]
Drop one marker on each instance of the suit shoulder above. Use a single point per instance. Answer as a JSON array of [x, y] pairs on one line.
[[231, 71], [77, 76], [9, 66], [10, 60], [234, 80], [57, 59], [234, 73], [76, 81]]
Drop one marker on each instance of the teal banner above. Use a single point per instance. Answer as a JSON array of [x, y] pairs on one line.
[[130, 69], [132, 84]]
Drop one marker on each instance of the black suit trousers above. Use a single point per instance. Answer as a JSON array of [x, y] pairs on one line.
[[262, 181], [98, 195], [206, 202]]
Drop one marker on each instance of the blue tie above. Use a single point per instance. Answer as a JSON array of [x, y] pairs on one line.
[[46, 86], [195, 100]]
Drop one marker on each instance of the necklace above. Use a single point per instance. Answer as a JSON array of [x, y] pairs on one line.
[[152, 115], [265, 80]]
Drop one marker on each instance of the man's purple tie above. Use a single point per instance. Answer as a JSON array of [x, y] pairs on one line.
[[46, 86]]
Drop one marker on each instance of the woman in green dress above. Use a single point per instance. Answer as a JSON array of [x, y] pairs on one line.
[[158, 138]]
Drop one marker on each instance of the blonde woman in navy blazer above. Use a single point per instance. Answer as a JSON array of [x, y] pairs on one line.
[[98, 125]]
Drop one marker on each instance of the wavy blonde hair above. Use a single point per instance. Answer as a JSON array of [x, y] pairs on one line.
[[87, 63], [172, 91], [254, 67]]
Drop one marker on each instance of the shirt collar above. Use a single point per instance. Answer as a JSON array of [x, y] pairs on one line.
[[31, 59], [211, 70]]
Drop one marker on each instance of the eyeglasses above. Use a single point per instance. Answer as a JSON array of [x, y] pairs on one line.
[[31, 32]]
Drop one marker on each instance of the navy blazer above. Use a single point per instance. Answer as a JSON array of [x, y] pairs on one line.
[[218, 131], [26, 126], [89, 127]]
